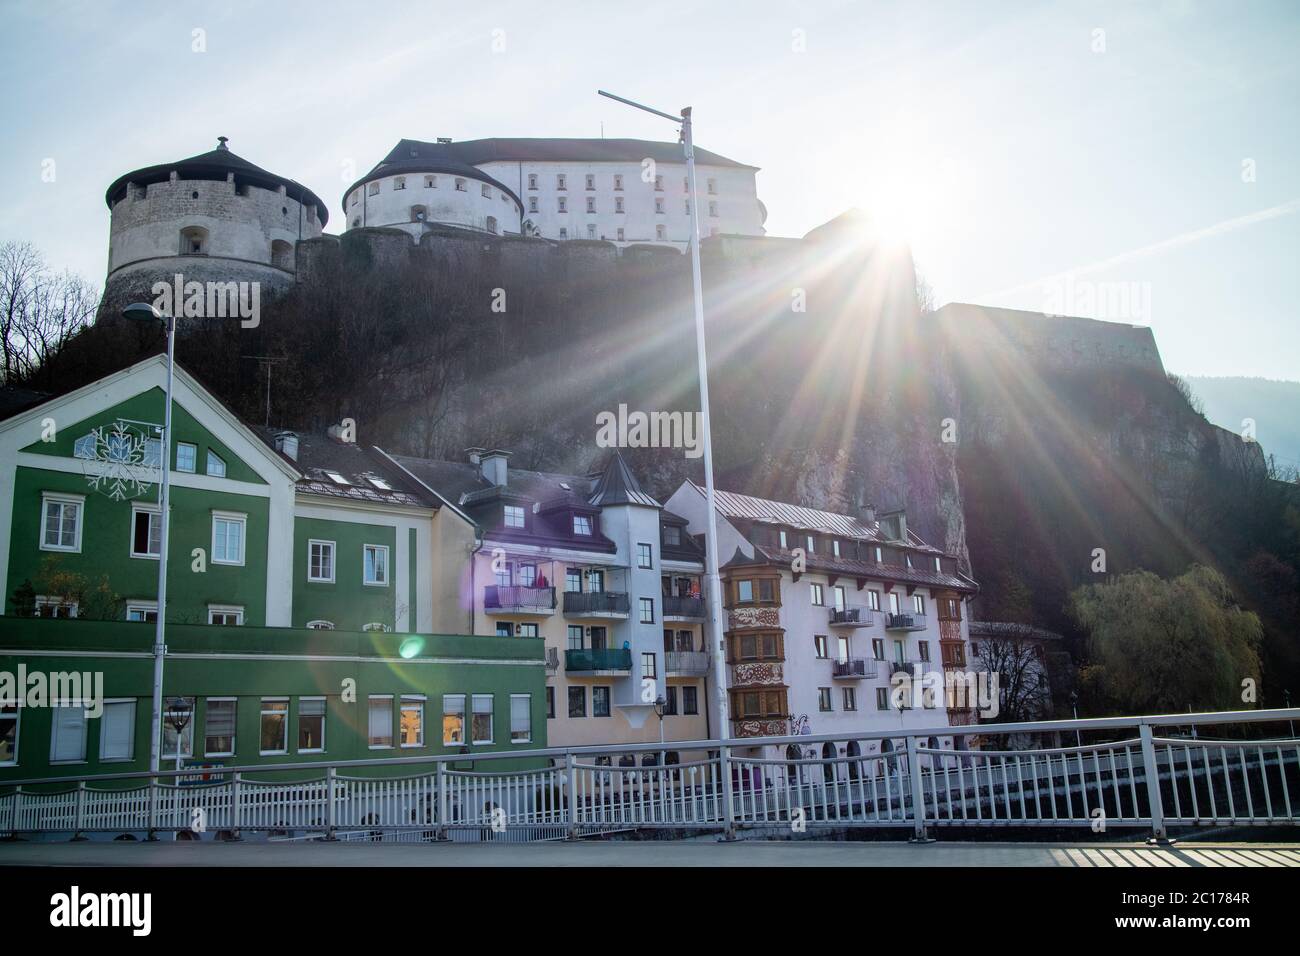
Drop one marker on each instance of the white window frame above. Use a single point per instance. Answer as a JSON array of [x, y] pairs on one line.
[[414, 702], [17, 718], [448, 713], [44, 600], [146, 606], [235, 609], [130, 754], [154, 513], [528, 712], [509, 511], [333, 546], [324, 719], [320, 625], [55, 713], [491, 715], [387, 576], [207, 702], [194, 465], [261, 714], [211, 457], [240, 518], [370, 701], [60, 498]]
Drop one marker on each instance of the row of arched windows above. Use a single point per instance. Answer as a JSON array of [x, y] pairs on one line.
[[194, 242]]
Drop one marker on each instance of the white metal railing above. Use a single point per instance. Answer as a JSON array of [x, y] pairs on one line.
[[1134, 778]]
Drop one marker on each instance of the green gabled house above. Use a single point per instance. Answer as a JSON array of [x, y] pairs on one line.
[[295, 561]]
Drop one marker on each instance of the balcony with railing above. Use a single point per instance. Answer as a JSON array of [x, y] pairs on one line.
[[596, 604], [853, 668], [852, 616], [598, 660], [687, 663], [683, 608], [518, 599], [908, 621]]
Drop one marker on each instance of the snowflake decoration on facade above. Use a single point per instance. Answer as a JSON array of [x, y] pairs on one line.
[[121, 460]]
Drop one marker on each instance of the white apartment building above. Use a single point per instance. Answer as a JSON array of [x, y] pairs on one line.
[[821, 610], [617, 190], [611, 582]]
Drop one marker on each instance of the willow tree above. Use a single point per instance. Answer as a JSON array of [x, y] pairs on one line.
[[1165, 645]]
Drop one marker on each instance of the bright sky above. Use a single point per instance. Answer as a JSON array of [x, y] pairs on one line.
[[1156, 162]]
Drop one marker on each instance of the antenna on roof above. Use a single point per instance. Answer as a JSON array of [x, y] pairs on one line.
[[266, 361]]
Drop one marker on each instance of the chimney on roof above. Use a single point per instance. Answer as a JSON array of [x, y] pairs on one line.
[[221, 142], [339, 433], [474, 454], [286, 443], [866, 513], [492, 465]]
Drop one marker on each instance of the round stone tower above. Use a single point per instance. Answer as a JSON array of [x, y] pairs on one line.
[[211, 218]]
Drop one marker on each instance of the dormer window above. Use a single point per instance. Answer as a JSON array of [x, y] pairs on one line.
[[782, 537], [938, 565], [672, 535], [514, 516], [811, 544], [582, 524], [835, 547]]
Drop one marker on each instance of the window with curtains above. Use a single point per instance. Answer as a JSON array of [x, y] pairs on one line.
[[117, 730], [169, 732], [320, 561], [690, 700], [521, 718], [375, 558], [68, 734], [453, 719], [412, 720], [311, 725], [481, 720], [380, 729], [219, 726], [61, 523], [274, 725]]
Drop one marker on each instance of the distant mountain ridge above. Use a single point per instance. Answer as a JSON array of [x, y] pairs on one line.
[[1273, 405]]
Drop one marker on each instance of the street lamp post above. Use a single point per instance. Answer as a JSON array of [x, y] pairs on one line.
[[1074, 707], [711, 537], [142, 310], [661, 706]]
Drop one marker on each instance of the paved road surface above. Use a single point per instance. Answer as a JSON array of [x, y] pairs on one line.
[[653, 853]]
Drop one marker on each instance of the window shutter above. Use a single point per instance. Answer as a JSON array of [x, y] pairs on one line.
[[117, 731]]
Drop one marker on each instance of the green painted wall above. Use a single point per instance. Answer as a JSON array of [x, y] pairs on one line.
[[148, 406], [250, 663], [106, 547], [348, 603]]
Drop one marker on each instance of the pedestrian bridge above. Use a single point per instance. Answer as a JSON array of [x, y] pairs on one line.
[[1137, 775]]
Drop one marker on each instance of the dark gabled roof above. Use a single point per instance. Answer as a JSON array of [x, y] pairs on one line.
[[414, 156], [560, 150], [215, 164], [618, 486], [1011, 629], [357, 463], [778, 513]]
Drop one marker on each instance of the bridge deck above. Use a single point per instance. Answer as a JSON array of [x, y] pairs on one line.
[[651, 853]]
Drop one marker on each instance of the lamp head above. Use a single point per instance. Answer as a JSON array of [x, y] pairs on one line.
[[143, 310]]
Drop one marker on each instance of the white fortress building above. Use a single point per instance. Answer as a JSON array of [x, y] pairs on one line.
[[617, 190], [214, 217]]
